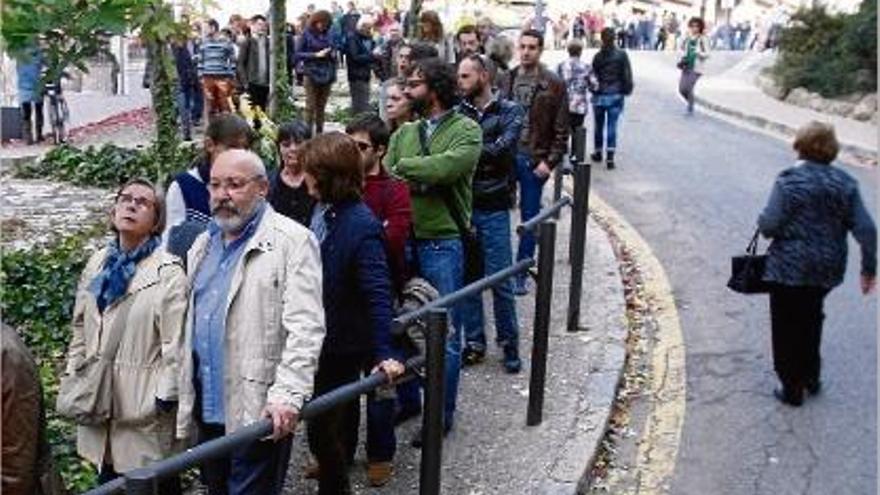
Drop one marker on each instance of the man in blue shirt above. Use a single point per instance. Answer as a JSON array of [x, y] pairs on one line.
[[256, 327]]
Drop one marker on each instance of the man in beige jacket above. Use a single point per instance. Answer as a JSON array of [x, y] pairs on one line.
[[255, 327]]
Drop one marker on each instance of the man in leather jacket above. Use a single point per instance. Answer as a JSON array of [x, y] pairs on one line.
[[544, 138], [493, 191]]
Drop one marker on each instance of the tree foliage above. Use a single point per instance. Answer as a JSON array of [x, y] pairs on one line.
[[833, 55], [69, 31]]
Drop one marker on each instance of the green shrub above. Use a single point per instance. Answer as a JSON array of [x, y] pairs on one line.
[[37, 290], [107, 166], [833, 55]]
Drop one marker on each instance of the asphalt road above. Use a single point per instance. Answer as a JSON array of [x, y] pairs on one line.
[[693, 188]]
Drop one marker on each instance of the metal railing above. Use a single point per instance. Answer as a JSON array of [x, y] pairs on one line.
[[433, 317]]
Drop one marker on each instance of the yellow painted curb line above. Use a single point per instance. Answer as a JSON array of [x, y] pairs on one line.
[[658, 446]]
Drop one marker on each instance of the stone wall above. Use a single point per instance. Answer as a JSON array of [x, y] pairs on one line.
[[858, 106]]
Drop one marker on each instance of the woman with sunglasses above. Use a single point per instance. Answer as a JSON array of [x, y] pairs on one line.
[[357, 296], [288, 193], [129, 307]]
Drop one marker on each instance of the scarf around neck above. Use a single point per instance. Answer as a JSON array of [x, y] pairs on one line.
[[119, 268]]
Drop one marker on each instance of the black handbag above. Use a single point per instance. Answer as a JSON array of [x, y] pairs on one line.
[[747, 271], [474, 266]]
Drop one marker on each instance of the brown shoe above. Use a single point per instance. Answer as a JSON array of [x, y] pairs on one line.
[[312, 471], [379, 473]]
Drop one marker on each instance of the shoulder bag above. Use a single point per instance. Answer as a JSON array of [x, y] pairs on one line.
[[86, 395], [747, 271], [470, 241]]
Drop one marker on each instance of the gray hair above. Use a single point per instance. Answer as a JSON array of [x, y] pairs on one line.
[[248, 157]]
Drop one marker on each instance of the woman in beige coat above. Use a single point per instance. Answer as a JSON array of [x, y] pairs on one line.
[[134, 287]]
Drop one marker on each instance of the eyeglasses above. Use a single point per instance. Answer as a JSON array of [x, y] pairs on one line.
[[232, 185], [140, 202], [414, 83], [362, 145]]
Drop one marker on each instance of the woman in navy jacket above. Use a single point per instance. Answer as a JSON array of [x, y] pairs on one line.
[[811, 210], [357, 297]]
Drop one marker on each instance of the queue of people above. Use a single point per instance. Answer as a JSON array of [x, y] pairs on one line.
[[245, 291]]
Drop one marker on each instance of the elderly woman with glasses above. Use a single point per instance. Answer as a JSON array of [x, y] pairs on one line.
[[357, 298], [129, 307]]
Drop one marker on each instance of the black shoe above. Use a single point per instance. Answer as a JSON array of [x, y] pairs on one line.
[[512, 363], [789, 397], [472, 356], [609, 164], [417, 440], [596, 157], [814, 387]]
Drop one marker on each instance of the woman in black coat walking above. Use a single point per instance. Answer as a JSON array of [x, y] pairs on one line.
[[811, 209]]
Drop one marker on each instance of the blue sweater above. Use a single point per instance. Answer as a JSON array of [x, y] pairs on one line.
[[217, 58], [810, 211], [357, 283]]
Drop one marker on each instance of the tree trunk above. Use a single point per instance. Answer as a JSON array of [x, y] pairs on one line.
[[163, 90], [281, 106], [412, 21]]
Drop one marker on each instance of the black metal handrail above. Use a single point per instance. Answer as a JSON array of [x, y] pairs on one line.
[[543, 215]]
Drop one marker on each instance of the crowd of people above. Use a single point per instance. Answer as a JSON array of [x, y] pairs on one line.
[[244, 288]]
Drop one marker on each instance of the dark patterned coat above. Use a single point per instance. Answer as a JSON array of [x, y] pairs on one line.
[[811, 209]]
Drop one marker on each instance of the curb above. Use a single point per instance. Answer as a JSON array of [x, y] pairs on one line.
[[857, 152]]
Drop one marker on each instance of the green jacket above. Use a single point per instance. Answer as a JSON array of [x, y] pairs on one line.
[[455, 148]]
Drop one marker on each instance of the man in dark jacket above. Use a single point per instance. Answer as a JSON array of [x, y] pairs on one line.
[[544, 137], [253, 63], [187, 86], [493, 189], [360, 65]]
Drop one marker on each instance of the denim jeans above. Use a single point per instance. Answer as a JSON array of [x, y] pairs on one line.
[[186, 96], [441, 262], [198, 108], [531, 188], [257, 468], [493, 227], [606, 110]]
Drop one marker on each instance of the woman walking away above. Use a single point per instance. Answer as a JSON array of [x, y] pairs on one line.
[[129, 310], [357, 299], [319, 66], [694, 53], [614, 82], [288, 193], [812, 207]]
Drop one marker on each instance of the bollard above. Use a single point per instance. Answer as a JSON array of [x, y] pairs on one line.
[[541, 334], [432, 419], [577, 243], [579, 144], [143, 481], [557, 183]]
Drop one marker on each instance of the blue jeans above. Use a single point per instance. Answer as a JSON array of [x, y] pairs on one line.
[[531, 188], [606, 109], [186, 96], [441, 262], [256, 468], [493, 227]]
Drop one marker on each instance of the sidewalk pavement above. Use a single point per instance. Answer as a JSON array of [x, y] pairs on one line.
[[491, 450], [729, 89], [88, 108]]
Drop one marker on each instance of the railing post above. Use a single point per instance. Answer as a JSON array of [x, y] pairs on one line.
[[578, 242], [541, 333], [432, 420], [143, 481], [557, 182]]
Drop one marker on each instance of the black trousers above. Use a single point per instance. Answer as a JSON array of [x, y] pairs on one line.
[[259, 95], [333, 435], [256, 468], [796, 319], [35, 108], [167, 486]]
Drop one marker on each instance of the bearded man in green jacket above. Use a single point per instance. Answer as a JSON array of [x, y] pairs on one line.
[[437, 156]]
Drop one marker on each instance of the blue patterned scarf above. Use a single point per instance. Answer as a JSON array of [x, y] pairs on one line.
[[119, 268]]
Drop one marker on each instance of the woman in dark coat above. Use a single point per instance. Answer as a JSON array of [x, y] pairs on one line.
[[357, 297], [318, 59], [811, 209]]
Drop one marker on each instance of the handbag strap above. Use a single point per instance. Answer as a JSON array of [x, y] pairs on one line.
[[457, 216], [752, 249]]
